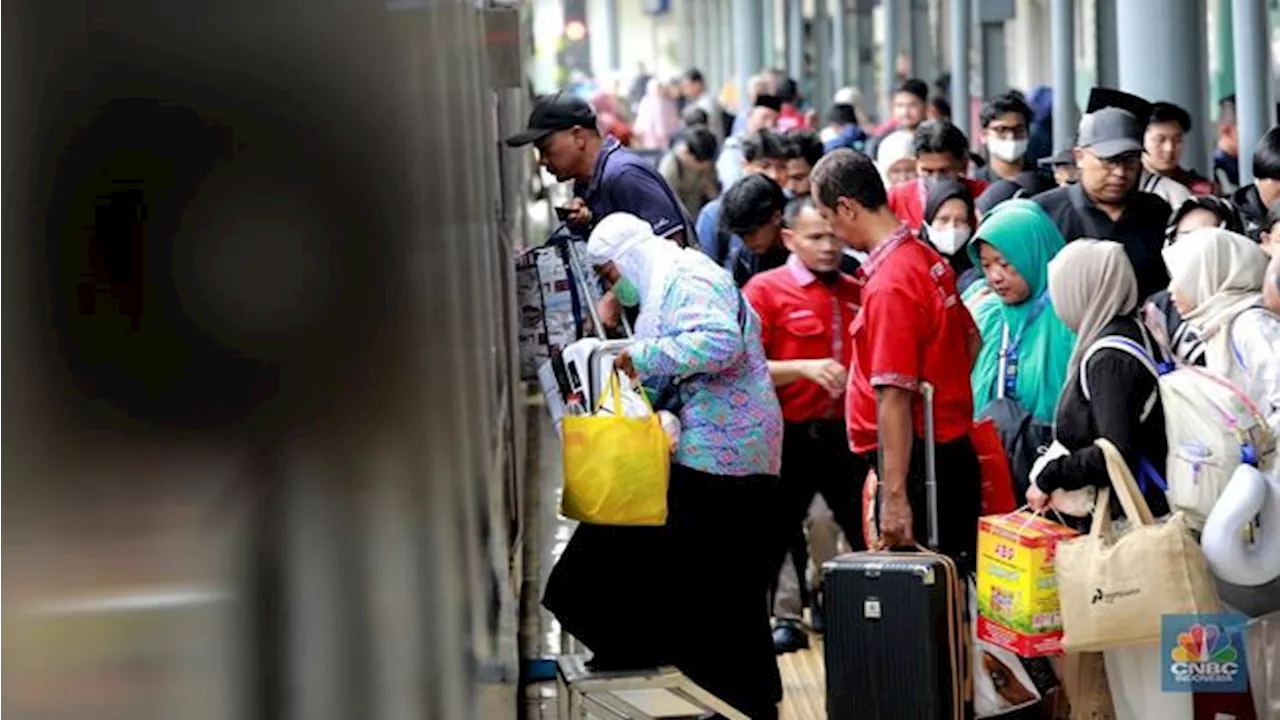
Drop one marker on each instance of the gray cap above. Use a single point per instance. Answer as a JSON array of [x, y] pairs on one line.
[[1110, 132]]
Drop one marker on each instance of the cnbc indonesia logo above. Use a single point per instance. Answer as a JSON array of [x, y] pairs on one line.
[[1204, 655]]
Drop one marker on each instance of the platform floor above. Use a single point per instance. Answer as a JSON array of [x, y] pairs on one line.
[[804, 686]]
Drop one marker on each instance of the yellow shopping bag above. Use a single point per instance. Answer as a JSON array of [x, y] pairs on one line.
[[615, 467]]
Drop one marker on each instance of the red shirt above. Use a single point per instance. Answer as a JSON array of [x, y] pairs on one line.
[[803, 318], [907, 199], [912, 327]]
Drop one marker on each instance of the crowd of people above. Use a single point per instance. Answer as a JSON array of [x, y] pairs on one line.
[[802, 279]]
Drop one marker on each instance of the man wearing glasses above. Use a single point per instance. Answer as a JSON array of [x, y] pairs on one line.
[[1005, 122], [1106, 204]]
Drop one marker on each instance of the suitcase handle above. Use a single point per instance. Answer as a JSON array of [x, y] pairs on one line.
[[930, 464], [608, 346]]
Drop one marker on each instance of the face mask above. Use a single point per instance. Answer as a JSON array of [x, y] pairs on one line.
[[929, 182], [788, 193], [1007, 150], [626, 293], [948, 240]]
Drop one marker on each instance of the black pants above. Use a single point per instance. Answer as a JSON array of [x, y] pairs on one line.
[[720, 534], [692, 593], [816, 459], [959, 499]]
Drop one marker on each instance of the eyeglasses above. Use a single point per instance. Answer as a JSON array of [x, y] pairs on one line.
[[1008, 132]]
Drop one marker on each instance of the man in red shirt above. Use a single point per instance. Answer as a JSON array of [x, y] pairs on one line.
[[942, 151], [912, 329], [805, 308]]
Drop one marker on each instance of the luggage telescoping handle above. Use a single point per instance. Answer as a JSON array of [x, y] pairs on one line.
[[930, 465]]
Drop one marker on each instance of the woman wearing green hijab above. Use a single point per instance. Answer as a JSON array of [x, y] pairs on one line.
[[1025, 347]]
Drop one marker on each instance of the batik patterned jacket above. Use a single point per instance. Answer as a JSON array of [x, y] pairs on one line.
[[731, 423]]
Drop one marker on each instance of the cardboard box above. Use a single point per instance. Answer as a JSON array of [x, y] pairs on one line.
[[1017, 588]]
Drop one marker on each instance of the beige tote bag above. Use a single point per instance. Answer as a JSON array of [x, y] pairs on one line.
[[1114, 591]]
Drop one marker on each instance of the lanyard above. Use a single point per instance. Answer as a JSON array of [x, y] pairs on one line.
[[1007, 374]]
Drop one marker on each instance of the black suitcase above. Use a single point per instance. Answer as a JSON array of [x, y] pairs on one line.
[[896, 637]]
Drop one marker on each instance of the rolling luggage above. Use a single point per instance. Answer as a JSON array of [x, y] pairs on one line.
[[896, 640]]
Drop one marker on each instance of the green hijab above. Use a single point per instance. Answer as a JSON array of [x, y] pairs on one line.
[[1028, 239]]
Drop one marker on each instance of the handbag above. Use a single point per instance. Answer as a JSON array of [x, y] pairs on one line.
[[1114, 591], [616, 468], [997, 481]]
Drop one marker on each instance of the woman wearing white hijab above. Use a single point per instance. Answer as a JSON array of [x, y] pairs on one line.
[[1095, 293], [1216, 281], [695, 326]]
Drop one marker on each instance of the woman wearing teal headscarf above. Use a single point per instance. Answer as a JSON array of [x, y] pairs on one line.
[[1013, 246]]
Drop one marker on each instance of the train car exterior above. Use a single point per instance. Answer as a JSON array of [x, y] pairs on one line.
[[265, 423]]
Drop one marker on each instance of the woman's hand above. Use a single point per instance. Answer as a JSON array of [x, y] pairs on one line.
[[1037, 498], [622, 361]]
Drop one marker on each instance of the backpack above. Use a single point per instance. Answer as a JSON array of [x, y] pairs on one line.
[[1024, 438], [1211, 425]]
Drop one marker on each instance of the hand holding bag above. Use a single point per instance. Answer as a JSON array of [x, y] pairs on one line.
[[616, 468], [1114, 591]]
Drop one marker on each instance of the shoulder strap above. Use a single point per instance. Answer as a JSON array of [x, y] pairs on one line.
[[1131, 348], [1003, 377], [1231, 342]]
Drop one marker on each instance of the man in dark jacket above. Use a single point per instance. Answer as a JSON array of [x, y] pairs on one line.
[[1106, 204], [752, 210]]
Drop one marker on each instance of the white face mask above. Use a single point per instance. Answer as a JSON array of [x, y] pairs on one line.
[[948, 240], [1007, 150]]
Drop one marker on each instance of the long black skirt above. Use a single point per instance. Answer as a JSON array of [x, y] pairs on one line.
[[693, 593]]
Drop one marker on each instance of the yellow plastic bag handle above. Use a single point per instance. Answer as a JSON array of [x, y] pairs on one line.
[[615, 388]]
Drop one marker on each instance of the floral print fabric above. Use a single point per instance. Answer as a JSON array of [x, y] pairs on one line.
[[731, 423]]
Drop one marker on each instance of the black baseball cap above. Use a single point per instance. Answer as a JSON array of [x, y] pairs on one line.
[[552, 113], [1110, 132]]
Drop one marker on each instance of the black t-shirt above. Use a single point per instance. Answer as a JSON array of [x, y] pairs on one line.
[[1120, 386], [744, 264], [1140, 229]]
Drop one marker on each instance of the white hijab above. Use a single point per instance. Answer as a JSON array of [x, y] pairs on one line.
[[641, 257], [1219, 273], [1091, 282]]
